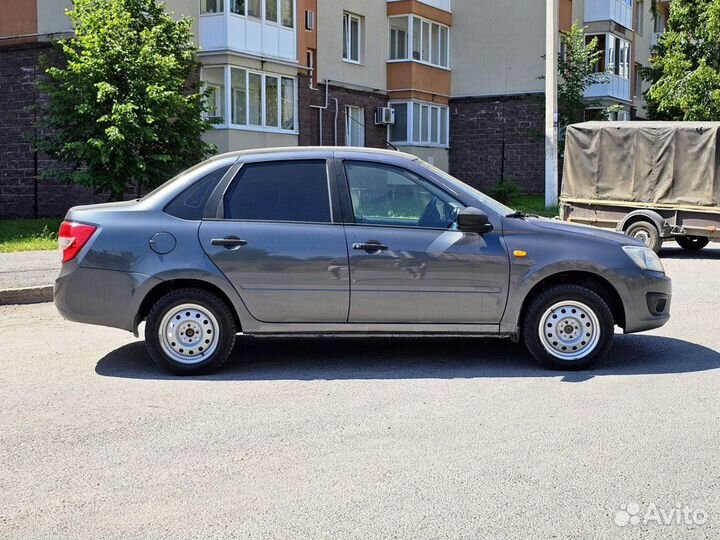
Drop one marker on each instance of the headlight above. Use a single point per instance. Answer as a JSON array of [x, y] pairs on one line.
[[645, 258]]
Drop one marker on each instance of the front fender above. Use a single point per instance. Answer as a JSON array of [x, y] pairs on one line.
[[526, 274]]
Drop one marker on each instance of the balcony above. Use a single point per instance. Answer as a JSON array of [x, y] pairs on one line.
[[620, 11], [617, 87], [444, 5], [231, 32]]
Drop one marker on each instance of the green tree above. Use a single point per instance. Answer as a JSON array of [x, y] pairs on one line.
[[577, 69], [122, 110], [685, 65]]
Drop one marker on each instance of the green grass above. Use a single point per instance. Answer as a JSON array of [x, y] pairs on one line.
[[533, 204], [28, 234]]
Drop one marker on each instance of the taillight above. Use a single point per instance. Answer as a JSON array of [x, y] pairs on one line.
[[72, 237]]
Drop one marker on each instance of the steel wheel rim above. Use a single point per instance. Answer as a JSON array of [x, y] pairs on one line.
[[569, 330], [189, 333], [643, 235]]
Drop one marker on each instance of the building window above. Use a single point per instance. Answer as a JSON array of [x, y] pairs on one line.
[[254, 8], [211, 6], [638, 80], [311, 66], [238, 97], [617, 57], [237, 7], [639, 16], [352, 34], [398, 38], [271, 10], [354, 126], [418, 123], [256, 100], [427, 41], [288, 14], [214, 82]]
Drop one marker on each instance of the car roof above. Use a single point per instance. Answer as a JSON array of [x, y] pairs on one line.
[[317, 151]]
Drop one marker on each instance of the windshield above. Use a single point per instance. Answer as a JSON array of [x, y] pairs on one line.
[[491, 203]]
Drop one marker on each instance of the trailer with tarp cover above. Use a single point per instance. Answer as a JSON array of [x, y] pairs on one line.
[[651, 180]]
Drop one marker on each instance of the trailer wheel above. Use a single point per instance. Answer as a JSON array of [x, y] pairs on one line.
[[647, 232], [692, 243]]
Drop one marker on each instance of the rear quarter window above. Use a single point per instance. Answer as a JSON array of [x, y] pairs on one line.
[[190, 204]]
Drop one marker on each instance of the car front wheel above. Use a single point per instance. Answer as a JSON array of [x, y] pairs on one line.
[[568, 327], [190, 332]]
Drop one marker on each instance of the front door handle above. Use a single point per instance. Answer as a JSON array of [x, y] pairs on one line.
[[371, 247], [228, 242]]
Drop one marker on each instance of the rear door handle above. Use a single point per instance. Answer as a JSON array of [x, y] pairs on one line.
[[371, 246], [228, 242]]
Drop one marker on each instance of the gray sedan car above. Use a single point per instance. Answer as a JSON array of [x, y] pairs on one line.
[[347, 241]]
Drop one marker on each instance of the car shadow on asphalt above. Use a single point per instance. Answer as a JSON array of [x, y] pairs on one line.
[[306, 359], [707, 254]]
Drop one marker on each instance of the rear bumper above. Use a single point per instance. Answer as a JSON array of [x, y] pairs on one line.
[[646, 297], [102, 297]]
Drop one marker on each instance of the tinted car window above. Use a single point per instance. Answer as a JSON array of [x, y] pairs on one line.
[[190, 204], [392, 196], [280, 191]]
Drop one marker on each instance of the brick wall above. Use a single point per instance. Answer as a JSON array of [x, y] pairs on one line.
[[21, 195], [309, 117], [492, 137]]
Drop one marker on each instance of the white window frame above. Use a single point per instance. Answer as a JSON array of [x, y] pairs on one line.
[[348, 19], [623, 69], [262, 15], [442, 29], [227, 118], [435, 109], [350, 123]]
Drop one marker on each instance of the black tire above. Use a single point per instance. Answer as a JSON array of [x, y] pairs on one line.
[[692, 243], [538, 314], [222, 340], [647, 232]]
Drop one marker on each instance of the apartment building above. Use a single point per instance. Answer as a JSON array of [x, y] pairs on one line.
[[455, 82]]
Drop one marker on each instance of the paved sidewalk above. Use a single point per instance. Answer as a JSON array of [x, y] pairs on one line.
[[28, 276]]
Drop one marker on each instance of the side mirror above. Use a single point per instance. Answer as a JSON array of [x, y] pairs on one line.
[[473, 220]]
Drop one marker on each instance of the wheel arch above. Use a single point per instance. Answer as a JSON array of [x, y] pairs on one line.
[[644, 215], [165, 287], [594, 282]]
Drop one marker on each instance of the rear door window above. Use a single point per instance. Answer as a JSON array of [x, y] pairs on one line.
[[280, 191]]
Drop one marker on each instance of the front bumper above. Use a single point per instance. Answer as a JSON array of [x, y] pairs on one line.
[[646, 297], [102, 297]]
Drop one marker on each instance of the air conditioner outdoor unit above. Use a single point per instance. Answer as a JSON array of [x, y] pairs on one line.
[[384, 116], [309, 20]]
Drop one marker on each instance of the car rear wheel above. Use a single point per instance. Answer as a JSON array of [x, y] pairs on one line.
[[692, 243], [646, 232], [568, 327], [190, 332]]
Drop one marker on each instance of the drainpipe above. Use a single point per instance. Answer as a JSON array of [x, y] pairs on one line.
[[322, 108], [337, 108]]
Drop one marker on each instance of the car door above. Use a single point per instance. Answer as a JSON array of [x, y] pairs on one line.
[[408, 261], [279, 243]]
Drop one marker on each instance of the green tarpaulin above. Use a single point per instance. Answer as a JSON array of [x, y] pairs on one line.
[[665, 163]]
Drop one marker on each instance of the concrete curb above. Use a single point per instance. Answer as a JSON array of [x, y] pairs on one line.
[[26, 295]]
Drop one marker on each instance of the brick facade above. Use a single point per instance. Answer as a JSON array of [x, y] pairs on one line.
[[495, 137], [309, 120], [21, 193]]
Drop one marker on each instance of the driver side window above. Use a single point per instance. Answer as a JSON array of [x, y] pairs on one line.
[[386, 195]]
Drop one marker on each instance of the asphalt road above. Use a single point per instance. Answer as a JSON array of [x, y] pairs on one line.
[[366, 439]]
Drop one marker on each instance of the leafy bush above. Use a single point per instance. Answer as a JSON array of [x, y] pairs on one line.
[[507, 191]]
